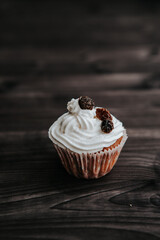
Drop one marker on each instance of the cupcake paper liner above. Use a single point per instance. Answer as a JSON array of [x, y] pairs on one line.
[[90, 165]]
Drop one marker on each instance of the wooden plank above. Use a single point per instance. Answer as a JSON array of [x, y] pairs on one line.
[[90, 82], [93, 230], [81, 62]]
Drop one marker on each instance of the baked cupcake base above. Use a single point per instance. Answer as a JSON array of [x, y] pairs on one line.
[[91, 165]]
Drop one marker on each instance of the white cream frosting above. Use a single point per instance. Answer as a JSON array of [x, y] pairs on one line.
[[80, 130]]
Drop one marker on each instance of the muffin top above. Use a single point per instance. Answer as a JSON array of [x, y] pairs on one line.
[[85, 128]]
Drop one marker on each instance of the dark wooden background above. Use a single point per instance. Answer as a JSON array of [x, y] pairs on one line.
[[51, 51]]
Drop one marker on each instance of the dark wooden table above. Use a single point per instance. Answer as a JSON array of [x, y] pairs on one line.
[[51, 51]]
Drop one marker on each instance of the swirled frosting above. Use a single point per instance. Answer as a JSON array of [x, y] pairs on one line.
[[80, 130]]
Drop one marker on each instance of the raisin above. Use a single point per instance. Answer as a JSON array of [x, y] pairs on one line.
[[103, 114], [107, 126], [86, 103]]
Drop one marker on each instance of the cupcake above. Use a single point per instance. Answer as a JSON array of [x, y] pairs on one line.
[[88, 139]]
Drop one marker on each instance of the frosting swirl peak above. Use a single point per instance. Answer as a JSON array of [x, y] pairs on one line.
[[73, 106]]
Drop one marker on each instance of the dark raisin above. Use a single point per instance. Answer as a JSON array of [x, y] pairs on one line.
[[107, 126], [103, 114], [86, 103]]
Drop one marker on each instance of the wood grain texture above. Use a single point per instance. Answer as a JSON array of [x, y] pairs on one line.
[[50, 52]]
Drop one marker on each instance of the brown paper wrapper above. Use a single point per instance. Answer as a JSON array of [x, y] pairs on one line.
[[91, 165]]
